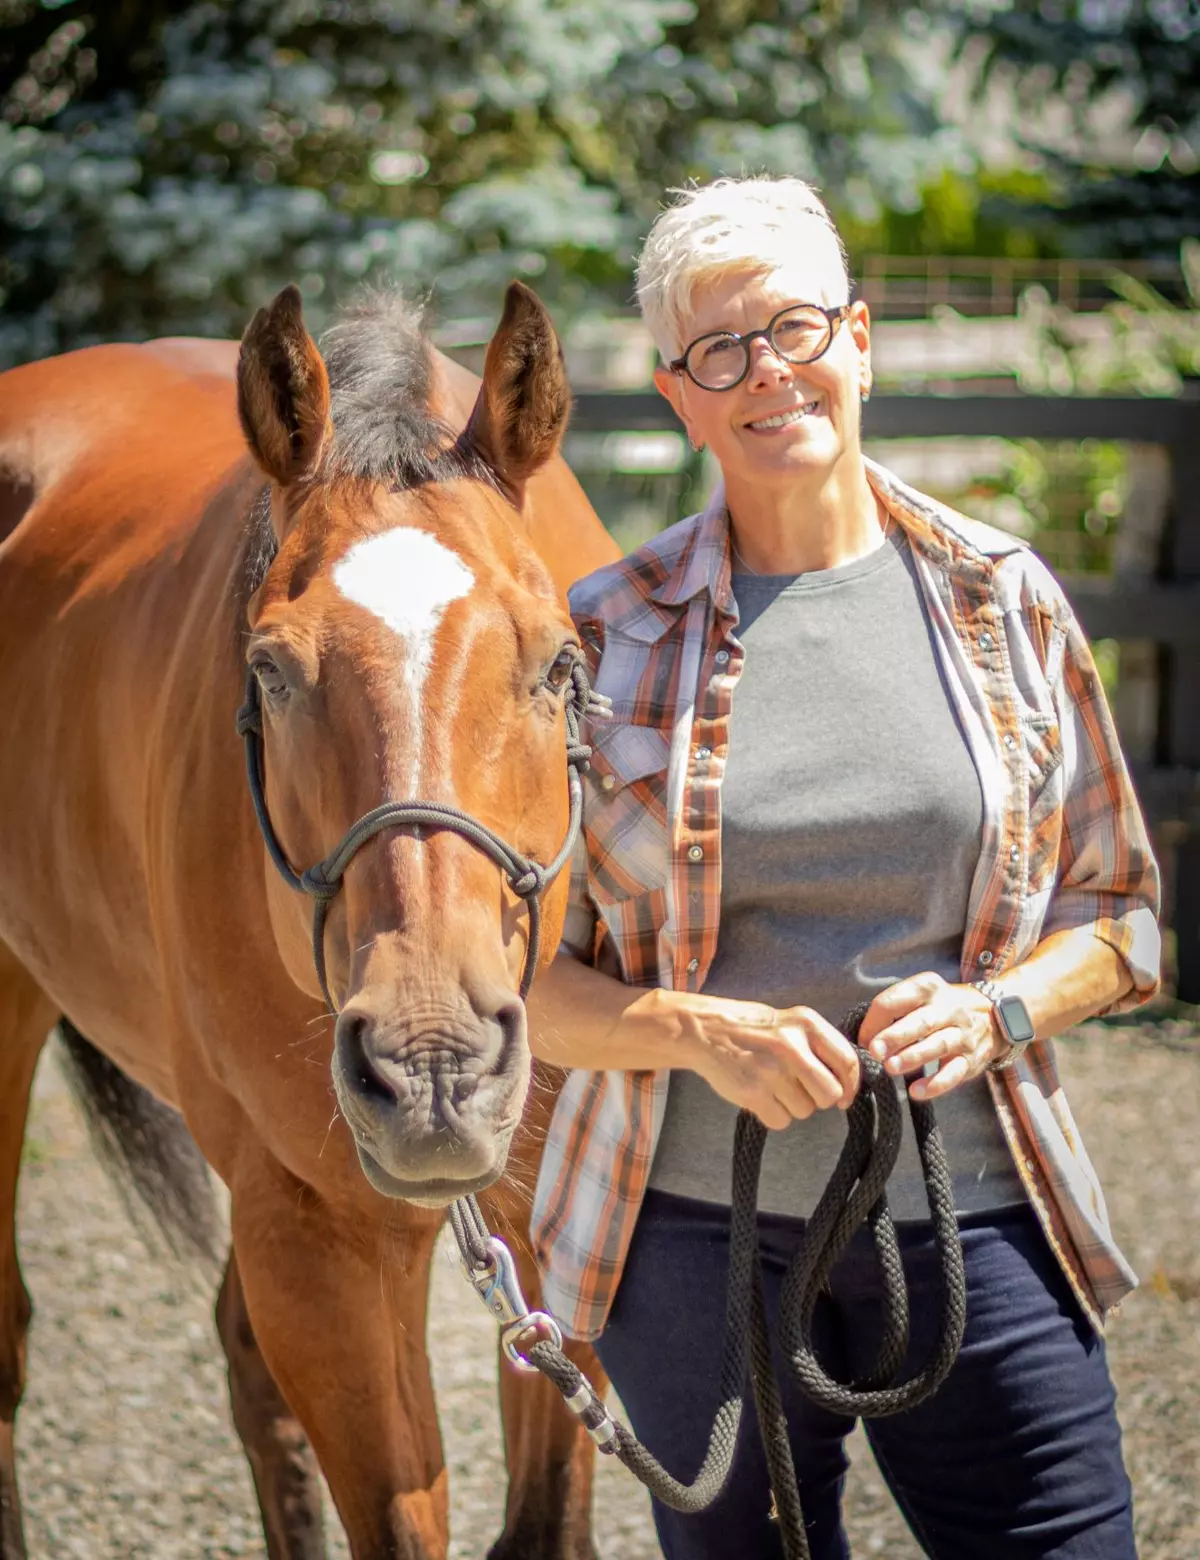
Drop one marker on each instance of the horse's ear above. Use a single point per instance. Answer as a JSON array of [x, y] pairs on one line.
[[521, 414], [283, 391]]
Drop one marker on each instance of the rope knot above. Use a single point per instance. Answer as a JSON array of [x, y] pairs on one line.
[[531, 882], [315, 882]]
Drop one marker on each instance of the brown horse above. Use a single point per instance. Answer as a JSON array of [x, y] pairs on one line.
[[386, 543]]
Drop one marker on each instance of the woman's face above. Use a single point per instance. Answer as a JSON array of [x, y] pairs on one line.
[[820, 403]]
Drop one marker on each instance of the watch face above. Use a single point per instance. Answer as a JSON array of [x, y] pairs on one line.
[[1015, 1020]]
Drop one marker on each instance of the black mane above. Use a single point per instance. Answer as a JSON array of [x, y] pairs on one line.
[[380, 371], [380, 368]]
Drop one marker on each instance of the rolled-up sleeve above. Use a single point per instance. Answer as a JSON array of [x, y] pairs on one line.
[[1108, 878]]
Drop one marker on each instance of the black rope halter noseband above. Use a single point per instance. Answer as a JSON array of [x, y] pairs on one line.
[[528, 879]]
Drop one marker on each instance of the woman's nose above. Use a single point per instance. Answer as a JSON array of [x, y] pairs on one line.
[[766, 363]]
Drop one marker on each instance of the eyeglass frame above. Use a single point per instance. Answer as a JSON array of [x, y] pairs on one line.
[[834, 315]]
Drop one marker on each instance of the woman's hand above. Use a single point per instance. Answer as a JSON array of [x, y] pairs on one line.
[[925, 1019], [781, 1063]]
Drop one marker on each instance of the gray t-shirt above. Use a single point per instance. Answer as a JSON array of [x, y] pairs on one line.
[[851, 814]]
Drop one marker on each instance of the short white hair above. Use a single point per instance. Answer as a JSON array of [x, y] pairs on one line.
[[758, 225]]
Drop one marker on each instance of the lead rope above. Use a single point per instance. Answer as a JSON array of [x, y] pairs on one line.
[[856, 1194]]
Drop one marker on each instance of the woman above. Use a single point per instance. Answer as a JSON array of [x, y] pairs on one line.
[[860, 752]]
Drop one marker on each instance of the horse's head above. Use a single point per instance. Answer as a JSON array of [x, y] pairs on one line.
[[408, 644]]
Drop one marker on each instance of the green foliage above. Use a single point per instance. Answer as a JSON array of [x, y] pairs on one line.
[[958, 215], [1150, 346], [1086, 49], [1065, 498], [166, 166]]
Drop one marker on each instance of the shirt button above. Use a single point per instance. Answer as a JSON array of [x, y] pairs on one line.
[[1014, 853], [721, 657], [704, 754], [1009, 740], [692, 966], [608, 783], [986, 641], [986, 956], [695, 852]]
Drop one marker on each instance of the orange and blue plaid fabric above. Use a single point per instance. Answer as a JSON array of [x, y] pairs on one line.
[[1063, 845]]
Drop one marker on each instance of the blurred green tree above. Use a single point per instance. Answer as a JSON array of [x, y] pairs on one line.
[[165, 166], [1143, 58]]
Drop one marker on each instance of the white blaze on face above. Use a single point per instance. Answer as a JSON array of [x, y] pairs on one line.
[[407, 578]]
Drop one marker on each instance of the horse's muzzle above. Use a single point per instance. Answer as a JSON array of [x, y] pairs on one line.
[[432, 1098]]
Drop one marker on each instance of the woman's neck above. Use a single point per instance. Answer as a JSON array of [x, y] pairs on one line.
[[799, 527]]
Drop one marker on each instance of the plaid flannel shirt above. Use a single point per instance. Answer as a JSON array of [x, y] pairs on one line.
[[1063, 845]]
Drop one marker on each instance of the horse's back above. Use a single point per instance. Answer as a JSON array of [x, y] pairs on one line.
[[105, 410]]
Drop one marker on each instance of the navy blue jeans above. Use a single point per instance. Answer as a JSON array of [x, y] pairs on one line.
[[1018, 1455]]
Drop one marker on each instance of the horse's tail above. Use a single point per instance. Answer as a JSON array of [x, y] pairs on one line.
[[147, 1150]]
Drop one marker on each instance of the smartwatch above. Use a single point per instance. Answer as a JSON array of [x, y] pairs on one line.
[[1012, 1019]]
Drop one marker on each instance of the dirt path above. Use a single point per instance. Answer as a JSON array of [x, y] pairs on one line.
[[127, 1451]]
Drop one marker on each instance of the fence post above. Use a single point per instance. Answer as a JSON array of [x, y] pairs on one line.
[[1179, 723]]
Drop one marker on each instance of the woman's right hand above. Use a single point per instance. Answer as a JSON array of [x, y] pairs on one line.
[[781, 1063]]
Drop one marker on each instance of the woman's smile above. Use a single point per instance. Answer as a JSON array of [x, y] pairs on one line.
[[776, 422]]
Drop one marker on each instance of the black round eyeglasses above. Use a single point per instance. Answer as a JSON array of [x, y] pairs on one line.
[[801, 333]]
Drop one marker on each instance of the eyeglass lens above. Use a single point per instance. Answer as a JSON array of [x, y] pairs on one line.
[[800, 335]]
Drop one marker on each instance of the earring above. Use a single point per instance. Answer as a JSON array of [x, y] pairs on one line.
[[865, 394], [697, 447]]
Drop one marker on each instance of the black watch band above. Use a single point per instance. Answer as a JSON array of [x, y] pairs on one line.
[[1012, 1020]]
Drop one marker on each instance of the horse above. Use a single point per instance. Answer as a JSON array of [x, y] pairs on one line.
[[381, 543]]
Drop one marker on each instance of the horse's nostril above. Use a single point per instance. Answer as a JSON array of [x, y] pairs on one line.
[[358, 1065], [511, 1018]]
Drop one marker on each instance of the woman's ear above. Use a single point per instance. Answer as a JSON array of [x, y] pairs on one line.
[[859, 325], [670, 386]]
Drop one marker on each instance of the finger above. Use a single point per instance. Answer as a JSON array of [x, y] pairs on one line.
[[798, 1058], [947, 1078], [912, 992], [773, 1114], [907, 1031], [844, 1067], [936, 1047], [830, 1046], [795, 1098]]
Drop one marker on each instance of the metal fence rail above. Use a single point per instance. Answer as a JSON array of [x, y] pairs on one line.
[[1163, 609]]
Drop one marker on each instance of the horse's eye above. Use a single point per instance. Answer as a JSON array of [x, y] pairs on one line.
[[559, 673], [270, 679]]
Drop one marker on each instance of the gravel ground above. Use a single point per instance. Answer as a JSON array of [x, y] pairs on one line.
[[126, 1447]]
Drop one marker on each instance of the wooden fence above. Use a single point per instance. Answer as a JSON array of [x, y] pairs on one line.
[[1163, 609]]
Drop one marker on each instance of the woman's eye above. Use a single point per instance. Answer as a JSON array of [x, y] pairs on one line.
[[718, 346], [559, 673], [270, 679]]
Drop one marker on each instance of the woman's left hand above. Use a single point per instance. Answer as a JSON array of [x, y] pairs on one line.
[[925, 1019]]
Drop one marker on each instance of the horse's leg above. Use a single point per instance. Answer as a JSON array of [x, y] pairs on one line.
[[549, 1454], [26, 1016], [339, 1314], [281, 1459]]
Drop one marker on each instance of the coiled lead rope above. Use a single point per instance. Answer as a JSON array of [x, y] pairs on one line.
[[856, 1194]]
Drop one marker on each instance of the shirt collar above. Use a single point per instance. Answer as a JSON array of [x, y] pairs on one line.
[[705, 563]]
